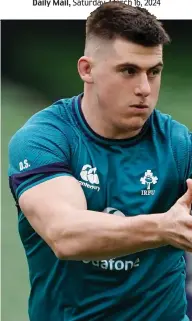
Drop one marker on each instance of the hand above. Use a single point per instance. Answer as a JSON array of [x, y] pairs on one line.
[[177, 222]]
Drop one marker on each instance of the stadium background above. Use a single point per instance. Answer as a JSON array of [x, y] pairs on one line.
[[38, 67]]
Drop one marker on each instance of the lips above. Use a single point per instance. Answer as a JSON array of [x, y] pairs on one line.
[[140, 106]]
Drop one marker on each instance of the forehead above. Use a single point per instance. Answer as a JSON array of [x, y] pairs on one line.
[[127, 52]]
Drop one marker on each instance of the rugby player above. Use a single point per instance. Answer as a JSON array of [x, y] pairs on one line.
[[102, 183]]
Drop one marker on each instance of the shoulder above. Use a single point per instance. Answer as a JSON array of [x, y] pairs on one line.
[[177, 136], [57, 115], [169, 128], [42, 148], [52, 123], [47, 137]]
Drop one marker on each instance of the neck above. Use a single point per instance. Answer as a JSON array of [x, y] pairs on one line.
[[99, 122]]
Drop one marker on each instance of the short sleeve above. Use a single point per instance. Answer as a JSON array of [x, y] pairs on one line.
[[37, 152]]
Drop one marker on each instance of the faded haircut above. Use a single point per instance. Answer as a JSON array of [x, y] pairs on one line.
[[115, 19]]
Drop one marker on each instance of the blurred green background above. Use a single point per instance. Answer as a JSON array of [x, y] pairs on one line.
[[39, 60]]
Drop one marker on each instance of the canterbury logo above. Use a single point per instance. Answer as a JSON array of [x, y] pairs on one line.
[[89, 177], [88, 174]]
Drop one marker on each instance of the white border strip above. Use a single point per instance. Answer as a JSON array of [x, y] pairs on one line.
[[79, 9]]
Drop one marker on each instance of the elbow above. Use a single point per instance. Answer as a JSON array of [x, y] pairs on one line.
[[60, 250], [66, 252], [62, 244], [60, 253]]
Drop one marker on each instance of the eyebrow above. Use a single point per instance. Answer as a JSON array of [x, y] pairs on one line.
[[130, 65]]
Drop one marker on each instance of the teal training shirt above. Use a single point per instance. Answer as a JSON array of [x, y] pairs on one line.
[[142, 175]]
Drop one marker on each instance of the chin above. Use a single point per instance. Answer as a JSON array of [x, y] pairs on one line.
[[134, 124]]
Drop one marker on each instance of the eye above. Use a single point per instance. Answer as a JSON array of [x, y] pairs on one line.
[[154, 72], [130, 71]]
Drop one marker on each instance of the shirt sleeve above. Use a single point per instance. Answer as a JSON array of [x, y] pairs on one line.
[[37, 152]]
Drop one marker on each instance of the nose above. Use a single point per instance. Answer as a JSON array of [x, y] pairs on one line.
[[143, 87]]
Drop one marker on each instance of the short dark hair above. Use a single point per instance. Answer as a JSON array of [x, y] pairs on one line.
[[116, 19]]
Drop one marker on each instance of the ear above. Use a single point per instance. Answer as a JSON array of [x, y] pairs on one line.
[[84, 66]]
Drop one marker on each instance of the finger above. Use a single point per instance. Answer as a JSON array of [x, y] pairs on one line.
[[189, 184], [187, 197]]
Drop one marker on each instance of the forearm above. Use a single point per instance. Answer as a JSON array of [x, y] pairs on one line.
[[94, 235]]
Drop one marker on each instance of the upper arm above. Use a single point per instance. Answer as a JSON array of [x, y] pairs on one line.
[[51, 206], [40, 176]]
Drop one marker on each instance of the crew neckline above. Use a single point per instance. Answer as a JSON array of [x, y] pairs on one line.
[[88, 131]]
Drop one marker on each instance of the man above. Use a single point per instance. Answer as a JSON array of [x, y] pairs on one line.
[[102, 184]]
